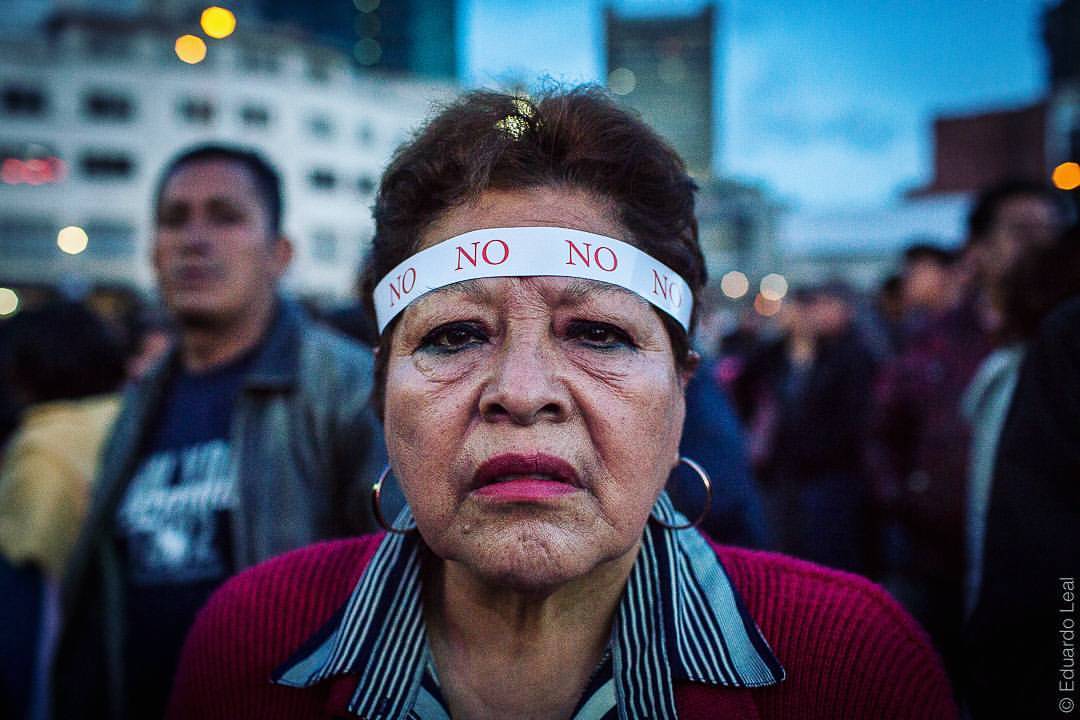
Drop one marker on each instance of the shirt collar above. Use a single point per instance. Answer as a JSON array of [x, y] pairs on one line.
[[680, 619]]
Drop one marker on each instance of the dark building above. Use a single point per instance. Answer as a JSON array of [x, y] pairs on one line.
[[976, 150], [662, 66], [1061, 36], [411, 36]]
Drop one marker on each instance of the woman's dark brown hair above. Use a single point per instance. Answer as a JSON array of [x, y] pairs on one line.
[[579, 139]]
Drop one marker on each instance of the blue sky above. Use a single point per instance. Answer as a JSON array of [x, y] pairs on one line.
[[828, 102]]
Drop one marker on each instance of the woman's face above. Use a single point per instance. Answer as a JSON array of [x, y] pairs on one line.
[[531, 421]]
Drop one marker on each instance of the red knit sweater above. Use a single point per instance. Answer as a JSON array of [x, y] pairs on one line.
[[849, 650]]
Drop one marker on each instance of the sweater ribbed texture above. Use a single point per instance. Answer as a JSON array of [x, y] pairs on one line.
[[849, 650]]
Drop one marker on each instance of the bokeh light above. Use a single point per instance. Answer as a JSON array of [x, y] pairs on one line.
[[622, 81], [72, 240], [766, 307], [367, 51], [773, 287], [217, 22], [191, 49], [734, 284], [9, 301], [1066, 176]]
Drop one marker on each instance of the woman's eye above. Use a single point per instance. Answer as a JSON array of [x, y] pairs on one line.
[[600, 335], [453, 337]]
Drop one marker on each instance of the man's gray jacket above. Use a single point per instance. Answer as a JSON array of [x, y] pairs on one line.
[[306, 450]]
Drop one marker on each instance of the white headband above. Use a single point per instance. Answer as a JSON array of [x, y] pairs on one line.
[[529, 252]]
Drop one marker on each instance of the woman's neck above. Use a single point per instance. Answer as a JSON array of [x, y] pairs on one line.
[[501, 652]]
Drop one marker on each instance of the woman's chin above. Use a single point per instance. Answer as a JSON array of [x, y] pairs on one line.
[[529, 557]]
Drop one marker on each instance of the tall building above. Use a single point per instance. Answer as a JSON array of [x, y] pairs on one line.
[[406, 36], [975, 150], [1061, 38], [663, 67], [92, 110]]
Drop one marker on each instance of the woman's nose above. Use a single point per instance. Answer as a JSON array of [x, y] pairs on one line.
[[524, 386]]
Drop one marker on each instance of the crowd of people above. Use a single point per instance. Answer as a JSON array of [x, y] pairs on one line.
[[926, 437]]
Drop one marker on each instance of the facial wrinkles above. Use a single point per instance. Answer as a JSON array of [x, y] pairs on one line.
[[529, 336]]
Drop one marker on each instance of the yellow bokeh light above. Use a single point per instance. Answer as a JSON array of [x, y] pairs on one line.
[[774, 287], [734, 284], [191, 49], [72, 240], [1067, 176], [9, 301], [217, 22]]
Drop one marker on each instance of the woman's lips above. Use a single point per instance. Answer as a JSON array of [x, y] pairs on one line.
[[525, 478]]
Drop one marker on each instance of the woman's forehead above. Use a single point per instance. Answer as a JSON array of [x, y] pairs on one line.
[[553, 292]]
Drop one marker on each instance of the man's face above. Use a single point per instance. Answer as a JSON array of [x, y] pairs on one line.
[[1022, 223], [216, 259], [925, 282]]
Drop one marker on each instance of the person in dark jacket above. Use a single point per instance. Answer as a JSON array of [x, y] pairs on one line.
[[806, 401], [251, 437], [1019, 643]]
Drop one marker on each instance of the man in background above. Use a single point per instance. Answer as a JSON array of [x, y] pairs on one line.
[[251, 437]]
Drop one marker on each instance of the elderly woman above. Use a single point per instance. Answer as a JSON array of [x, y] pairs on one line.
[[533, 276]]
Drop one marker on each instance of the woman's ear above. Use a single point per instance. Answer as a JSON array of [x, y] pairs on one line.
[[693, 360]]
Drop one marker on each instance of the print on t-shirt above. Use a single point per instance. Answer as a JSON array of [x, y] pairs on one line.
[[174, 511]]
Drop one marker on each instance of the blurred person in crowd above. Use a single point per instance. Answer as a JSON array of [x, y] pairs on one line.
[[714, 437], [1024, 501], [805, 398], [1007, 221], [252, 436], [919, 447], [64, 365], [930, 285]]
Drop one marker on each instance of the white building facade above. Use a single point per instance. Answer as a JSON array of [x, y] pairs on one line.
[[92, 110]]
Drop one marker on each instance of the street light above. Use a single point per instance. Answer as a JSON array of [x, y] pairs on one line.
[[1066, 176], [9, 301], [217, 22], [72, 240], [191, 49]]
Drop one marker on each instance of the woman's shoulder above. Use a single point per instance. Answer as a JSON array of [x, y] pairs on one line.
[[842, 639], [773, 583], [303, 586]]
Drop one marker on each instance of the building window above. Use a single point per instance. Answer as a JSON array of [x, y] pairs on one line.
[[319, 68], [197, 111], [365, 185], [322, 179], [98, 165], [365, 134], [109, 46], [24, 101], [324, 246], [320, 126], [30, 163], [259, 60], [255, 116], [110, 239], [106, 106], [24, 238]]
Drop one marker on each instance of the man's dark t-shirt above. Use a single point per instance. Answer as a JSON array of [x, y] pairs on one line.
[[173, 527]]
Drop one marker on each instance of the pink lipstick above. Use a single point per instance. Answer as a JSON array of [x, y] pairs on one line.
[[525, 478]]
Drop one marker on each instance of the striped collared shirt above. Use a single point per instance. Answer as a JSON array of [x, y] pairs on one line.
[[679, 620]]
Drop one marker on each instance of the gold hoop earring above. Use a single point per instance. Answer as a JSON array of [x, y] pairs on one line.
[[704, 476], [376, 505]]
